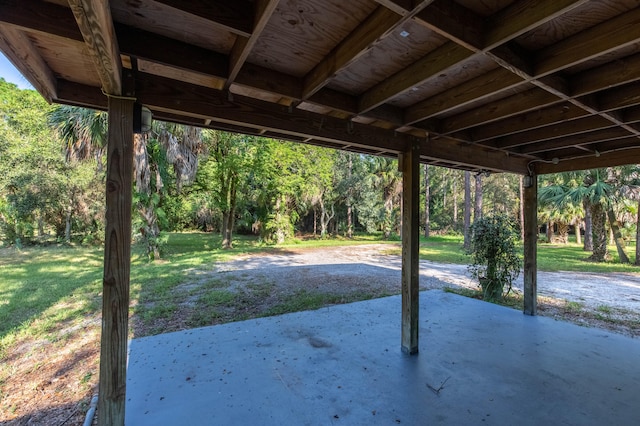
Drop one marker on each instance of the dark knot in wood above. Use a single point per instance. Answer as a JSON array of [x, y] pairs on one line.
[[112, 186]]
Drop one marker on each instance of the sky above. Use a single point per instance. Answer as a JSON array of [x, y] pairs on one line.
[[12, 75]]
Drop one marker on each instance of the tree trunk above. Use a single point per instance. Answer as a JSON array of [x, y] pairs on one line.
[[427, 194], [522, 207], [349, 208], [477, 211], [637, 262], [599, 231], [467, 209], [455, 206], [228, 213], [550, 234], [577, 231], [617, 236], [67, 228], [588, 228], [146, 207]]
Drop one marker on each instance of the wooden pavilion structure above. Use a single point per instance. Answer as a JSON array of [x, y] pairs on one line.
[[522, 86]]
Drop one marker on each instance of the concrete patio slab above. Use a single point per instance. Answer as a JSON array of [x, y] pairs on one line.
[[478, 364]]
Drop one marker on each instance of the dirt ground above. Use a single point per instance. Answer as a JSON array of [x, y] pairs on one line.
[[51, 383]]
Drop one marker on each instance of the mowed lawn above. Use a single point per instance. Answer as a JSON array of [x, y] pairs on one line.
[[51, 296]]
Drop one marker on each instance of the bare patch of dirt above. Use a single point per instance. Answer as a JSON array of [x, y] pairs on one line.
[[51, 383]]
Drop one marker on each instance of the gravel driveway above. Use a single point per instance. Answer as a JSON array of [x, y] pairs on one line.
[[369, 263]]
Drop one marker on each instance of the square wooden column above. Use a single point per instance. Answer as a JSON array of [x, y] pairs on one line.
[[410, 247], [530, 245], [117, 261]]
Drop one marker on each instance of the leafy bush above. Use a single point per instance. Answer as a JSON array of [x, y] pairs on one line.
[[494, 260]]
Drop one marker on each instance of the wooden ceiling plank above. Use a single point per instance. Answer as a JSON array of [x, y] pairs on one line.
[[96, 25], [620, 97], [175, 96], [455, 22], [531, 120], [560, 143], [618, 157], [612, 74], [497, 110], [233, 16], [523, 16], [26, 58], [401, 7], [415, 74], [163, 50], [570, 128], [377, 26], [469, 155], [475, 89], [608, 36], [41, 17], [243, 45]]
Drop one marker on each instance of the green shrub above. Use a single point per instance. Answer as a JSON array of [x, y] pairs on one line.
[[494, 260]]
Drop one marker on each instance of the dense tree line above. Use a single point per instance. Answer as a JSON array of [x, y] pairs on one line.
[[52, 182]]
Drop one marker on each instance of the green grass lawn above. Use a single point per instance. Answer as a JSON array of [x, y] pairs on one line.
[[43, 287]]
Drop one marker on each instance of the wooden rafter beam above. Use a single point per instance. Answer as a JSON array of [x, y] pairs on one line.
[[263, 9], [611, 35], [467, 155], [377, 26], [25, 56], [612, 133], [455, 22], [498, 30], [166, 51], [173, 99], [523, 16], [529, 121], [584, 161], [470, 91], [233, 16], [516, 104], [413, 75], [96, 25], [41, 17], [568, 128]]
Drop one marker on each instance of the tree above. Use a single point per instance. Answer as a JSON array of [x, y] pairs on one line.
[[427, 195], [467, 209], [494, 260]]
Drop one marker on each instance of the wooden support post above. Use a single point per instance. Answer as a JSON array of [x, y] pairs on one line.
[[530, 245], [410, 247], [117, 258]]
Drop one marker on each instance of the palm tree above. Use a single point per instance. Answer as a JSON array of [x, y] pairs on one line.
[[389, 180], [84, 133], [597, 190]]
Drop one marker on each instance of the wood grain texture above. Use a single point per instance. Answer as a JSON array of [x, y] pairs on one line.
[[68, 59], [233, 16], [42, 17], [568, 128], [415, 74], [173, 23], [504, 108], [375, 27], [528, 121], [607, 134], [471, 90], [387, 57], [630, 155], [27, 58], [96, 25], [602, 38], [530, 273], [263, 10], [523, 16], [300, 34], [410, 248], [117, 261]]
